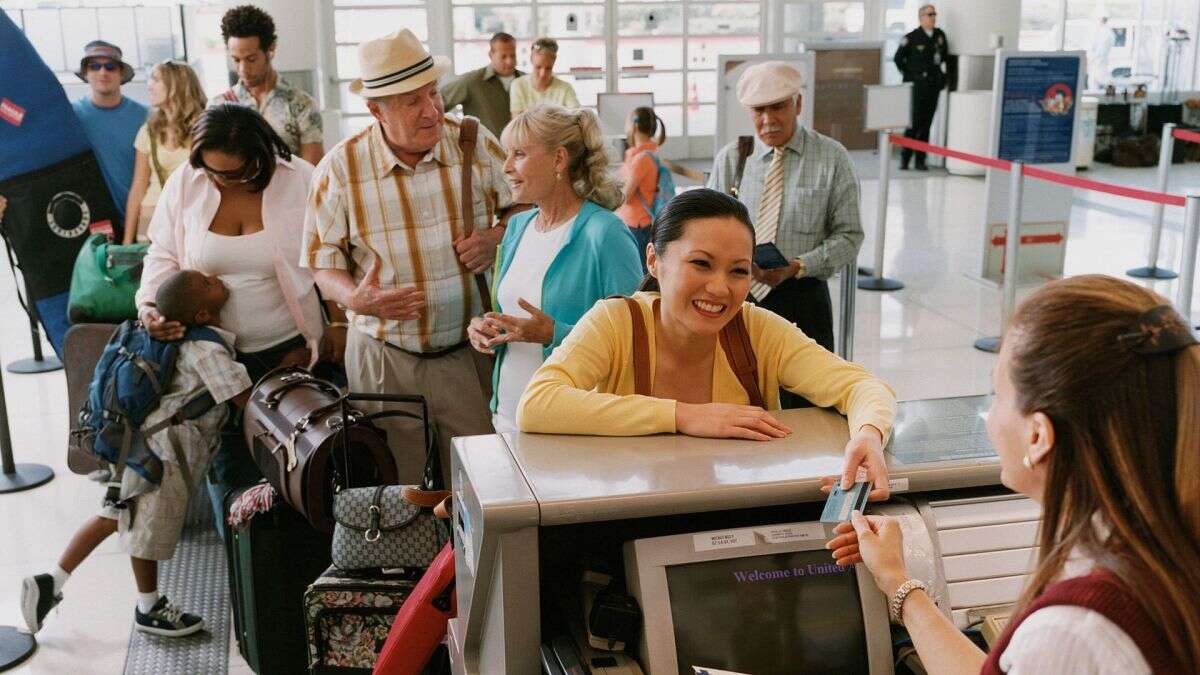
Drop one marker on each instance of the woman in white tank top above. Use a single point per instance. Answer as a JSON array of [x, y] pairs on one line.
[[236, 210]]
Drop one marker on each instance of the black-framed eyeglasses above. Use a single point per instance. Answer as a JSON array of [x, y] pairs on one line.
[[96, 66], [930, 13]]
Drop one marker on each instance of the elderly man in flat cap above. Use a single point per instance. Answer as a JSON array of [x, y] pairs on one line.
[[387, 237], [110, 120], [801, 191]]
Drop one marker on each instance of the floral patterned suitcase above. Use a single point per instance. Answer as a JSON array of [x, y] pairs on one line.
[[347, 616]]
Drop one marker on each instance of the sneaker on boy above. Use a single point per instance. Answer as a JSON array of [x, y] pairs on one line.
[[166, 619], [37, 599]]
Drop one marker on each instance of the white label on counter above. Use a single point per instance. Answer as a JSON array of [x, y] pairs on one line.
[[717, 541], [898, 485], [782, 534]]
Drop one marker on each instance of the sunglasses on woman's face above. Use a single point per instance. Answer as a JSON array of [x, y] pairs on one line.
[[236, 176], [96, 66]]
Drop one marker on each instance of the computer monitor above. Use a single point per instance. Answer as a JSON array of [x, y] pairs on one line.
[[755, 601]]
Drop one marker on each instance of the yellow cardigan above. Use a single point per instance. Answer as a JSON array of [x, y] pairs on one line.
[[587, 384]]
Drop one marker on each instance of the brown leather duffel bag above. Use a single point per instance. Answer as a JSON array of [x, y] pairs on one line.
[[297, 431]]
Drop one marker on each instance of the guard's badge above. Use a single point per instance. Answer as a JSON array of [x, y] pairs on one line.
[[920, 48]]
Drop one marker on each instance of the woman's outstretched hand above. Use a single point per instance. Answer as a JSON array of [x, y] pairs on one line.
[[726, 420], [875, 541]]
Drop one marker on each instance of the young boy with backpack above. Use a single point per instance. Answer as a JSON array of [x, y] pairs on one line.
[[172, 439]]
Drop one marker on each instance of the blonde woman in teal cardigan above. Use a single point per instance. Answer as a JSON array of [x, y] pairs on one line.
[[558, 259]]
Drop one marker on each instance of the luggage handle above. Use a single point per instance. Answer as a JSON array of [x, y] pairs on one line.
[[348, 419], [398, 398], [272, 400]]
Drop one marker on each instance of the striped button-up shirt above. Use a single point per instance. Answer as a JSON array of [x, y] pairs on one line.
[[819, 222], [364, 201]]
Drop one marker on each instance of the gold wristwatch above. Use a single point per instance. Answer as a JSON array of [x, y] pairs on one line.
[[802, 271]]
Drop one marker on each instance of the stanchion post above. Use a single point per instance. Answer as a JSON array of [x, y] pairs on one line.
[[1187, 267], [845, 344], [1165, 152], [1012, 247], [39, 363], [877, 282]]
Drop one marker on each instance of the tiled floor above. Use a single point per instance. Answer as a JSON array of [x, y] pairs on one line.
[[919, 339]]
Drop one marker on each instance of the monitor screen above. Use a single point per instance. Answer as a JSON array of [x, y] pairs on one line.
[[779, 613]]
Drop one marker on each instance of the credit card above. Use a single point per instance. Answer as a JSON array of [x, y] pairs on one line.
[[841, 502]]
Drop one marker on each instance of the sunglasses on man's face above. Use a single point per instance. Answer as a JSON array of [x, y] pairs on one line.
[[96, 66]]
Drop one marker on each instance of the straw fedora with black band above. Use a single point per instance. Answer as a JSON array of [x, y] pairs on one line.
[[102, 49], [396, 64]]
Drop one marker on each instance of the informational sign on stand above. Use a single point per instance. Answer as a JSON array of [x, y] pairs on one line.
[[1034, 120]]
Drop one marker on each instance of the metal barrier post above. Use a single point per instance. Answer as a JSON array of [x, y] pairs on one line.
[[1012, 246], [1152, 270], [1187, 267], [877, 282], [845, 341], [39, 363]]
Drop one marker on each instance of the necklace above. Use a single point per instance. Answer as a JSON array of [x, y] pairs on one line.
[[542, 226]]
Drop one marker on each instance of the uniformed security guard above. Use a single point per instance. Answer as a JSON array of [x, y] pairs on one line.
[[920, 59]]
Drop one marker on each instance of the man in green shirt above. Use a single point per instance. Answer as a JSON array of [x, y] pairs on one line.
[[483, 93]]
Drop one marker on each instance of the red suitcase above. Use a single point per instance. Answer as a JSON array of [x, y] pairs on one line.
[[420, 625]]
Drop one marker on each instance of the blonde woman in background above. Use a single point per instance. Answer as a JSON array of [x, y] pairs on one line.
[[558, 259], [164, 142]]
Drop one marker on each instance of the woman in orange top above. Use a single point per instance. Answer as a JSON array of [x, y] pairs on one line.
[[641, 174]]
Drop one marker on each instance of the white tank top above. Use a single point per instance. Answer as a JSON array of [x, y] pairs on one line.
[[256, 312]]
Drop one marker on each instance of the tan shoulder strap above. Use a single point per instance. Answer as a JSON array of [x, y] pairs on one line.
[[467, 135], [739, 351], [735, 342], [745, 147], [158, 170], [641, 350]]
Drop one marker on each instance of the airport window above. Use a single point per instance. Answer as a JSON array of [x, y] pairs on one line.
[[357, 20], [146, 35]]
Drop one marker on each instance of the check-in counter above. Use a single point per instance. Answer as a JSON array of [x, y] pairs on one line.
[[511, 489]]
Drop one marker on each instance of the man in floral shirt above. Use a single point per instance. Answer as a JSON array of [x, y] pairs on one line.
[[250, 40]]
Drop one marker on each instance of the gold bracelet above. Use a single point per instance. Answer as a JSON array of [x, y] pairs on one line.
[[338, 324]]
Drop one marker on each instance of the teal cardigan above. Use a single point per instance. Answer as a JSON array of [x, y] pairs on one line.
[[598, 259]]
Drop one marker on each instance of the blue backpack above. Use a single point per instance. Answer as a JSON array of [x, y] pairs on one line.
[[665, 191], [133, 373]]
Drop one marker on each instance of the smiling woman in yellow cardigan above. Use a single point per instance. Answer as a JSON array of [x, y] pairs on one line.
[[700, 258]]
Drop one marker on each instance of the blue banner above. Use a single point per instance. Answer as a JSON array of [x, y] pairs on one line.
[[1037, 114]]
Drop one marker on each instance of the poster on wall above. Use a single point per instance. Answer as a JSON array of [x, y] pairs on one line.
[[1037, 119]]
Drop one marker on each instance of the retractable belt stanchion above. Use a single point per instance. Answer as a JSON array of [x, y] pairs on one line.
[[1187, 267], [1152, 270], [16, 646], [877, 282], [39, 363], [845, 342], [1012, 245]]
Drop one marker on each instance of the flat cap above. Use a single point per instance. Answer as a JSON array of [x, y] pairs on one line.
[[768, 82]]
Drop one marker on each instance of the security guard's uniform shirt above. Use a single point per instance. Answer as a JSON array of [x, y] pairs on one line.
[[920, 58]]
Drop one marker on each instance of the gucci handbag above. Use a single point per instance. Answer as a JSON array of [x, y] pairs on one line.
[[387, 526]]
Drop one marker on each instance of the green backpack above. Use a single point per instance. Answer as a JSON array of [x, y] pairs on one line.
[[104, 281]]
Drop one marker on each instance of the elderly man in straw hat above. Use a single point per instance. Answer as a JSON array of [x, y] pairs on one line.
[[800, 188], [387, 237]]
